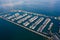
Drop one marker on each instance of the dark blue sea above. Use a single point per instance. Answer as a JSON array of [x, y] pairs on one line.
[[47, 7]]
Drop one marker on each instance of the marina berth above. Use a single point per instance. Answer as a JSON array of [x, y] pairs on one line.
[[18, 17], [26, 23], [23, 19], [36, 23], [33, 18], [50, 26], [41, 28]]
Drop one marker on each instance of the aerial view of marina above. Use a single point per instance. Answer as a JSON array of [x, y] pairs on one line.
[[30, 20]]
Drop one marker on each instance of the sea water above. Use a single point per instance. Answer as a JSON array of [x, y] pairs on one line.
[[11, 31]]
